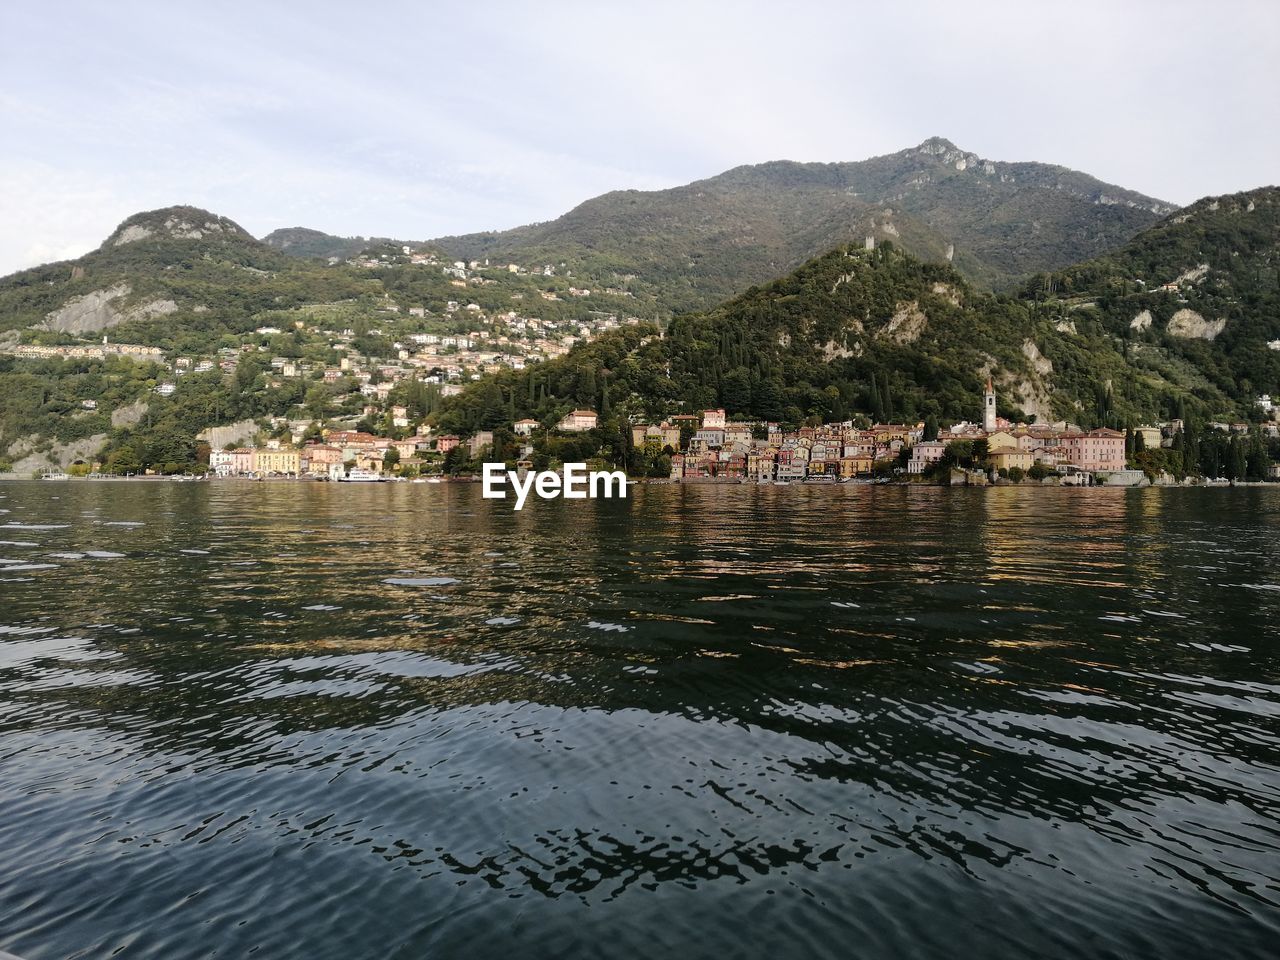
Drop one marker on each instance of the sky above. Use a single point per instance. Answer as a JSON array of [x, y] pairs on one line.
[[417, 120]]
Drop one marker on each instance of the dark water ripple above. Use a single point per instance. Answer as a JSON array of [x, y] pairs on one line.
[[401, 721]]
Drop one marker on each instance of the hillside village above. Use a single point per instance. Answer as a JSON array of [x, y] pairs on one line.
[[183, 335], [478, 342], [709, 447]]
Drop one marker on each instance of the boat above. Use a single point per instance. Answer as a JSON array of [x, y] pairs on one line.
[[360, 475], [55, 475]]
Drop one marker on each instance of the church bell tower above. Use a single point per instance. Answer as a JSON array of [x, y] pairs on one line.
[[989, 408]]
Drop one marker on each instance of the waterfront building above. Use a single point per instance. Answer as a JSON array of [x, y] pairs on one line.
[[1098, 451], [1006, 458], [924, 455], [230, 463], [320, 458], [283, 461]]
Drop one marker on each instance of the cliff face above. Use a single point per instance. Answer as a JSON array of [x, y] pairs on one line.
[[1197, 292], [102, 309]]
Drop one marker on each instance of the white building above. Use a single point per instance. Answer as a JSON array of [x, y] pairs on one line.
[[576, 421], [924, 454]]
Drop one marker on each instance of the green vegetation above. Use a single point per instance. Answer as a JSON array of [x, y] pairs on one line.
[[708, 240], [316, 245], [1223, 255], [850, 332], [46, 397]]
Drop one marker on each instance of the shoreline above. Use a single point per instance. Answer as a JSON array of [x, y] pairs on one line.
[[656, 482]]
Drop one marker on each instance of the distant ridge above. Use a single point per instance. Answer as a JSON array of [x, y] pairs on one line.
[[315, 244], [707, 240]]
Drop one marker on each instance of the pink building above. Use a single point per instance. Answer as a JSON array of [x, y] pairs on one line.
[[227, 463], [924, 454], [1099, 450], [320, 456], [322, 460]]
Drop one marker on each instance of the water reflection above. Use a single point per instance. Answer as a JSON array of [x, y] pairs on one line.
[[415, 721]]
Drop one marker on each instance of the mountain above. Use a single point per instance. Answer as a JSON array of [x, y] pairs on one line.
[[854, 331], [315, 244], [707, 240], [178, 280], [160, 263], [202, 319], [1196, 296], [1182, 320], [165, 273]]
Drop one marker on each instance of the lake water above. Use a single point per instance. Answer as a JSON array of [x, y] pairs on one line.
[[336, 721]]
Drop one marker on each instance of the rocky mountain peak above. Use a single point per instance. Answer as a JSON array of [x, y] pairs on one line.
[[176, 223]]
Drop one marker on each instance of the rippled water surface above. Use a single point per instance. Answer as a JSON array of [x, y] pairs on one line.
[[332, 721]]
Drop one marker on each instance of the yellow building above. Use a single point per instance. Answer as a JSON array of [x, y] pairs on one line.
[[1001, 439], [1006, 458], [1150, 437], [855, 466], [285, 460]]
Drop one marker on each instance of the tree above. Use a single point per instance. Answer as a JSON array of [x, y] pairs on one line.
[[457, 460], [876, 403], [1237, 466], [735, 391], [1259, 462]]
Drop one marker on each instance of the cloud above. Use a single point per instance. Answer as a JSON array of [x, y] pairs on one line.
[[423, 120]]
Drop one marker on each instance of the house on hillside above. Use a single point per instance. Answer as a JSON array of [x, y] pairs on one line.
[[576, 421]]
